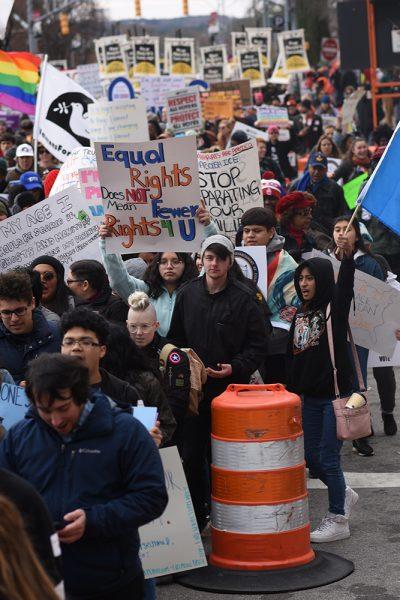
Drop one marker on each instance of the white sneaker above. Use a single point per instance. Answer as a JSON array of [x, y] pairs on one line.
[[351, 498], [332, 528]]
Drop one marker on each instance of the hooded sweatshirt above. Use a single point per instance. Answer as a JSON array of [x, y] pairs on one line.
[[310, 369]]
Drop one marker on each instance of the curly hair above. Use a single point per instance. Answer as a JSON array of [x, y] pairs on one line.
[[16, 285], [154, 280], [86, 319]]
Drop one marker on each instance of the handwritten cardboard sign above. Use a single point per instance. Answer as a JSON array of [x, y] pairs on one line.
[[150, 195], [172, 543], [118, 121], [230, 184], [13, 404]]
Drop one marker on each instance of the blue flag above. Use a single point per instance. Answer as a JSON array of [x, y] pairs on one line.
[[381, 194]]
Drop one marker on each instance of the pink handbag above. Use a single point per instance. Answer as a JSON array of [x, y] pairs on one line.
[[351, 423]]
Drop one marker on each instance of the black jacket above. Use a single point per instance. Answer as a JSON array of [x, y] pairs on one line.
[[310, 369], [330, 204], [226, 327], [347, 171], [105, 303], [176, 379], [145, 388], [282, 149]]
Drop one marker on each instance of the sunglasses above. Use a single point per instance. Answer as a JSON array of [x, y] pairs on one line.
[[47, 276]]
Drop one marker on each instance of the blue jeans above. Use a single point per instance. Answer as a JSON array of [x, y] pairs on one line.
[[322, 449], [149, 589]]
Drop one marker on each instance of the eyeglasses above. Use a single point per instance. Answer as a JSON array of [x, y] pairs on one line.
[[74, 281], [82, 342], [174, 262], [43, 151], [303, 212], [145, 328], [47, 276], [18, 312]]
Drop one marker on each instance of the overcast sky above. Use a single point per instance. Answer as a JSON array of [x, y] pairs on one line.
[[159, 9]]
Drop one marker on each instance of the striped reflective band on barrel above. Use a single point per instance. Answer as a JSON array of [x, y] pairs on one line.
[[261, 519], [263, 456]]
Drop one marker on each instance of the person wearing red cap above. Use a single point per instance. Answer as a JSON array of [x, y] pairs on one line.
[[294, 213]]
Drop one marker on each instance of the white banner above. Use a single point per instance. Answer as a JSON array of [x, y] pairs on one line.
[[5, 11], [230, 184], [172, 543], [261, 37], [184, 110], [253, 262], [155, 89], [80, 158], [88, 76], [61, 121], [118, 121], [58, 226], [150, 195], [253, 133], [239, 40]]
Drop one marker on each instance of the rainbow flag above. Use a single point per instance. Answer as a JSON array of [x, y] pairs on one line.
[[19, 76]]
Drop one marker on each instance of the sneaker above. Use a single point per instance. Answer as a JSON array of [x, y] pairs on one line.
[[389, 424], [332, 528], [362, 447], [351, 498]]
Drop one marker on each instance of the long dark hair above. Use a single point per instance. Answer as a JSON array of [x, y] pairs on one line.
[[123, 356], [154, 280]]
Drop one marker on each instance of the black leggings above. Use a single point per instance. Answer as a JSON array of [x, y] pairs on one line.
[[386, 383]]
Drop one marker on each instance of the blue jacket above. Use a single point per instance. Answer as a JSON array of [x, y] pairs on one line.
[[16, 351], [368, 264], [111, 468]]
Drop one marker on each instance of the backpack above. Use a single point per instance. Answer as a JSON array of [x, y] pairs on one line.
[[198, 375]]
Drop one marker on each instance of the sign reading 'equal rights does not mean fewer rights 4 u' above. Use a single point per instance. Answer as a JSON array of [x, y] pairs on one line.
[[150, 195]]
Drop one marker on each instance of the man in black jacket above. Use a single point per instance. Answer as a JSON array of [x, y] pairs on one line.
[[329, 195], [220, 319], [88, 281], [84, 335]]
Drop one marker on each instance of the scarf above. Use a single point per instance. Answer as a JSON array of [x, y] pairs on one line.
[[361, 162], [305, 184], [297, 234]]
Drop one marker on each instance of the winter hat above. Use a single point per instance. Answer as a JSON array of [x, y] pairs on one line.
[[273, 129], [53, 262], [49, 181], [294, 200], [271, 187], [217, 239]]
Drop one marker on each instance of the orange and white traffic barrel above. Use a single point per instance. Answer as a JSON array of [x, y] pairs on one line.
[[259, 496]]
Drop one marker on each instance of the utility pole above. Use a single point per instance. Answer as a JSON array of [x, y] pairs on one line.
[[286, 15], [266, 7], [29, 17]]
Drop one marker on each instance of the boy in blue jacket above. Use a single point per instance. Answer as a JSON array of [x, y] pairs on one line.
[[98, 471]]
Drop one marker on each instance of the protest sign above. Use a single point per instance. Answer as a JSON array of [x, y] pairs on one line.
[[13, 404], [89, 185], [254, 133], [351, 190], [333, 164], [61, 122], [253, 262], [230, 184], [241, 85], [250, 65], [179, 56], [239, 40], [59, 226], [88, 76], [292, 47], [80, 158], [213, 73], [5, 10], [118, 121], [109, 55], [329, 120], [216, 105], [349, 109], [377, 310], [272, 115], [172, 543], [150, 195], [184, 110], [155, 89], [261, 37], [213, 55], [378, 360], [145, 56], [279, 75]]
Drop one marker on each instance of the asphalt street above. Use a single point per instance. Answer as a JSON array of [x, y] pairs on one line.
[[374, 545]]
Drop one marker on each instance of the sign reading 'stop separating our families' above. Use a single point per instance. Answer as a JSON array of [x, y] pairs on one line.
[[150, 194]]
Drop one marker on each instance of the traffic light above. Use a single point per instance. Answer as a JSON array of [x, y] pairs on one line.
[[185, 7], [64, 24], [138, 8]]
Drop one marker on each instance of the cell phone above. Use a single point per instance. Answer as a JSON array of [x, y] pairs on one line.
[[58, 525]]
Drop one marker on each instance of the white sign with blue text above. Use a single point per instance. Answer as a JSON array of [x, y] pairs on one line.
[[13, 404]]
